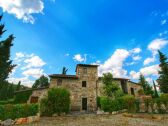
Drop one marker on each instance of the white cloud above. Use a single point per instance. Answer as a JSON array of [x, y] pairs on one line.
[[131, 63], [34, 61], [134, 75], [136, 58], [115, 63], [33, 72], [150, 70], [30, 66], [149, 60], [97, 62], [149, 80], [146, 71], [23, 9], [136, 50], [156, 45], [24, 81], [80, 58], [19, 55], [163, 22]]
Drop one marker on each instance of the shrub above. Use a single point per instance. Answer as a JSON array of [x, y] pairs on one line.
[[164, 98], [141, 92], [129, 101], [57, 101], [98, 102], [110, 105], [10, 101], [18, 111], [22, 97], [105, 104]]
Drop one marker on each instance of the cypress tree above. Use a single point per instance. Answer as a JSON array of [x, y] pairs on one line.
[[18, 86], [143, 82], [156, 93], [6, 65], [163, 73], [146, 86]]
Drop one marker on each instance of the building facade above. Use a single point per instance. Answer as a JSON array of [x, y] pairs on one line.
[[85, 87]]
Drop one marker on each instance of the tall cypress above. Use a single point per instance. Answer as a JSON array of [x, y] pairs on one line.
[[6, 65], [156, 93], [163, 73], [146, 86]]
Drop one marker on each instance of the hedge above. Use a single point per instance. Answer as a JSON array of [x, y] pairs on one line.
[[10, 101], [57, 102], [125, 102], [22, 97], [18, 111]]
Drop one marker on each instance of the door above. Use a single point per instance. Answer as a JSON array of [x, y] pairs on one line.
[[84, 103], [132, 91]]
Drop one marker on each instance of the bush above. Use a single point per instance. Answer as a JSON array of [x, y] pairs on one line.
[[141, 92], [10, 101], [130, 101], [18, 111], [57, 101], [126, 102], [98, 102], [22, 97], [164, 98]]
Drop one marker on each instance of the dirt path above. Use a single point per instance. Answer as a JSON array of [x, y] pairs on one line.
[[95, 120]]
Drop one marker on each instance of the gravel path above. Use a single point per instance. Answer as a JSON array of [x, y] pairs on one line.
[[98, 120]]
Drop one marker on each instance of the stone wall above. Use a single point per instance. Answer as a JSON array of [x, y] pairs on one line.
[[136, 88], [40, 93], [130, 85], [77, 91]]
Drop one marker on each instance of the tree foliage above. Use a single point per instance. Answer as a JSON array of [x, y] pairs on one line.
[[18, 86], [155, 90], [41, 82], [163, 73], [6, 65], [56, 102], [146, 86], [110, 87]]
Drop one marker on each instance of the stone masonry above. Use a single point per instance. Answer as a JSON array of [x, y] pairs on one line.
[[85, 87]]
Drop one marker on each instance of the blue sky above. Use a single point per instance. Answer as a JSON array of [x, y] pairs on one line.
[[123, 36]]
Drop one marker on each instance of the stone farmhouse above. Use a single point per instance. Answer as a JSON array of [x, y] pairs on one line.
[[84, 87]]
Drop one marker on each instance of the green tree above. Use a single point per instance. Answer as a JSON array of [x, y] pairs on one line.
[[163, 73], [56, 102], [110, 87], [6, 65], [143, 82], [155, 93], [18, 86], [41, 82], [146, 86], [10, 91]]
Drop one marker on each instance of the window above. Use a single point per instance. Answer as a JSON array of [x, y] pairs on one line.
[[85, 70], [78, 72], [59, 82], [83, 83], [34, 99]]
